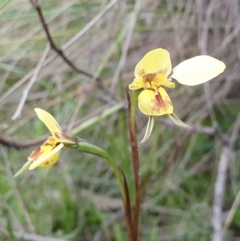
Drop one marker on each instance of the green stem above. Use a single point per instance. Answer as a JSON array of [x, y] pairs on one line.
[[97, 151], [134, 102]]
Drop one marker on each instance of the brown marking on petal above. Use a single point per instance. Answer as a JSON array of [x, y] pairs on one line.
[[51, 141], [35, 154], [159, 103], [149, 77], [66, 138]]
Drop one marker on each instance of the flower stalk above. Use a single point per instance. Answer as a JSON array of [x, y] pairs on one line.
[[132, 106], [97, 151]]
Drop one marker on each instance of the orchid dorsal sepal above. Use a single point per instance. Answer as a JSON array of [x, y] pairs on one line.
[[177, 121], [155, 61], [197, 70], [55, 128], [48, 120], [149, 128]]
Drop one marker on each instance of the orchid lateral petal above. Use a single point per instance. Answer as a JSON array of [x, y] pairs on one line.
[[42, 158], [138, 83], [177, 121], [198, 70], [149, 128], [165, 83], [24, 168], [49, 121], [155, 103], [155, 61]]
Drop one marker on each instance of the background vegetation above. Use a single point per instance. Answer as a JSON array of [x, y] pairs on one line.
[[191, 177]]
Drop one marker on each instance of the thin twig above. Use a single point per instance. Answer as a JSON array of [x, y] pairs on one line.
[[54, 47], [219, 188], [37, 6], [199, 129], [129, 34], [19, 145], [11, 143], [231, 213], [212, 131], [80, 125], [203, 48], [4, 98], [30, 84]]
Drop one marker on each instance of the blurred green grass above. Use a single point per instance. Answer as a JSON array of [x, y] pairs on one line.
[[178, 167]]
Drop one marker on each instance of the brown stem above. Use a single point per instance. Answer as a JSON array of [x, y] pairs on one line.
[[127, 207], [54, 47], [10, 143], [135, 158]]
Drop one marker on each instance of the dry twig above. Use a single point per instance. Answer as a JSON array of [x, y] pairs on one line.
[[38, 8], [219, 189], [30, 84], [10, 143], [231, 213]]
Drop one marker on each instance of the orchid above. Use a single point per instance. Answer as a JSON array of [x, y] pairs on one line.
[[47, 154], [154, 72]]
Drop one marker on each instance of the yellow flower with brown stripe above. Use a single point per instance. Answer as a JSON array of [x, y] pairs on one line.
[[154, 72], [47, 154]]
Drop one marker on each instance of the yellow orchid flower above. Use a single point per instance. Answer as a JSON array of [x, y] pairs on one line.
[[47, 154], [154, 71]]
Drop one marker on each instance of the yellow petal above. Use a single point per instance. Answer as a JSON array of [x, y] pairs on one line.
[[155, 103], [138, 83], [155, 61], [149, 128], [55, 128], [50, 161], [24, 168], [198, 70], [164, 82], [47, 157], [49, 121], [177, 121], [47, 146]]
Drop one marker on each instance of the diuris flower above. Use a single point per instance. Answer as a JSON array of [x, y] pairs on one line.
[[47, 154], [154, 72]]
